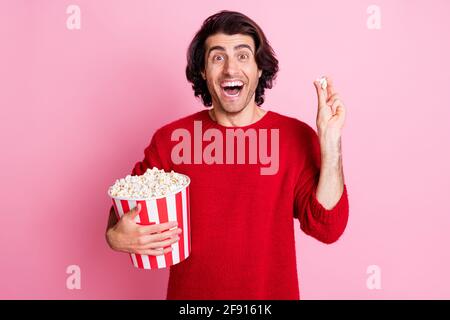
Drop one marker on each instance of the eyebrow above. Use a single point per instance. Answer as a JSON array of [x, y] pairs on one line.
[[239, 46]]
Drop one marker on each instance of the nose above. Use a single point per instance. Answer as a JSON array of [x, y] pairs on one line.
[[230, 67]]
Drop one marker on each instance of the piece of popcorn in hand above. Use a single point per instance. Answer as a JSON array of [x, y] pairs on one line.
[[323, 82]]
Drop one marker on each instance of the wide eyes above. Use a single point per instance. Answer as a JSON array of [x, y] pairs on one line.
[[240, 56], [243, 56]]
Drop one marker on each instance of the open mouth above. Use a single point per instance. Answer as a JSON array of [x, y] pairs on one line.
[[232, 89]]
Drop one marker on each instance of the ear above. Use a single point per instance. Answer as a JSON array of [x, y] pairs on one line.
[[259, 73], [203, 75]]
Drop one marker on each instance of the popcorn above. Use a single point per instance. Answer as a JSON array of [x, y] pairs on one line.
[[323, 82], [154, 183]]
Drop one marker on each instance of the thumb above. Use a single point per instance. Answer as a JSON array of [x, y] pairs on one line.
[[134, 212]]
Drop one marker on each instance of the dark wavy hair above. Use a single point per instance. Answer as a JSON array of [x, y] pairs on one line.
[[230, 22]]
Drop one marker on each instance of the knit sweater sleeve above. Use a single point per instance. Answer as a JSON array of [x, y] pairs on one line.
[[154, 156], [326, 225]]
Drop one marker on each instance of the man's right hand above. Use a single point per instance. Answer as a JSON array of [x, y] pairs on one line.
[[128, 236]]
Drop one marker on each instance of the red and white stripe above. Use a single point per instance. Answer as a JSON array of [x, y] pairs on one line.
[[171, 208]]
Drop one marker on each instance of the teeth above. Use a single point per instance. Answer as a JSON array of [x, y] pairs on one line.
[[232, 84]]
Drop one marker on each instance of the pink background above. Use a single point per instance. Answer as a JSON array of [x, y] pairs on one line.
[[78, 107]]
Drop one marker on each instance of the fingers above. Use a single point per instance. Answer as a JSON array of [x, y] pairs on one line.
[[320, 94], [160, 244], [154, 252], [155, 228], [330, 87], [325, 96], [340, 109], [148, 239], [333, 97], [133, 213], [334, 102]]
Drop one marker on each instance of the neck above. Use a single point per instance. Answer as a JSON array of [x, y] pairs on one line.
[[245, 117]]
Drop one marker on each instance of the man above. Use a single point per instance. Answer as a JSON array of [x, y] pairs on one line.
[[242, 234]]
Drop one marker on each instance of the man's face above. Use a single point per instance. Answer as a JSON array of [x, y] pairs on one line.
[[231, 71]]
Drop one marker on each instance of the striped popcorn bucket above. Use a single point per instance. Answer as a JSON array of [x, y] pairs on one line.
[[172, 207]]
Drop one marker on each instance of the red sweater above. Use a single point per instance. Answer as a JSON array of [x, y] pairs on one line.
[[242, 222]]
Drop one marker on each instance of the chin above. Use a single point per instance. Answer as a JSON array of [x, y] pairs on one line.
[[233, 108]]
